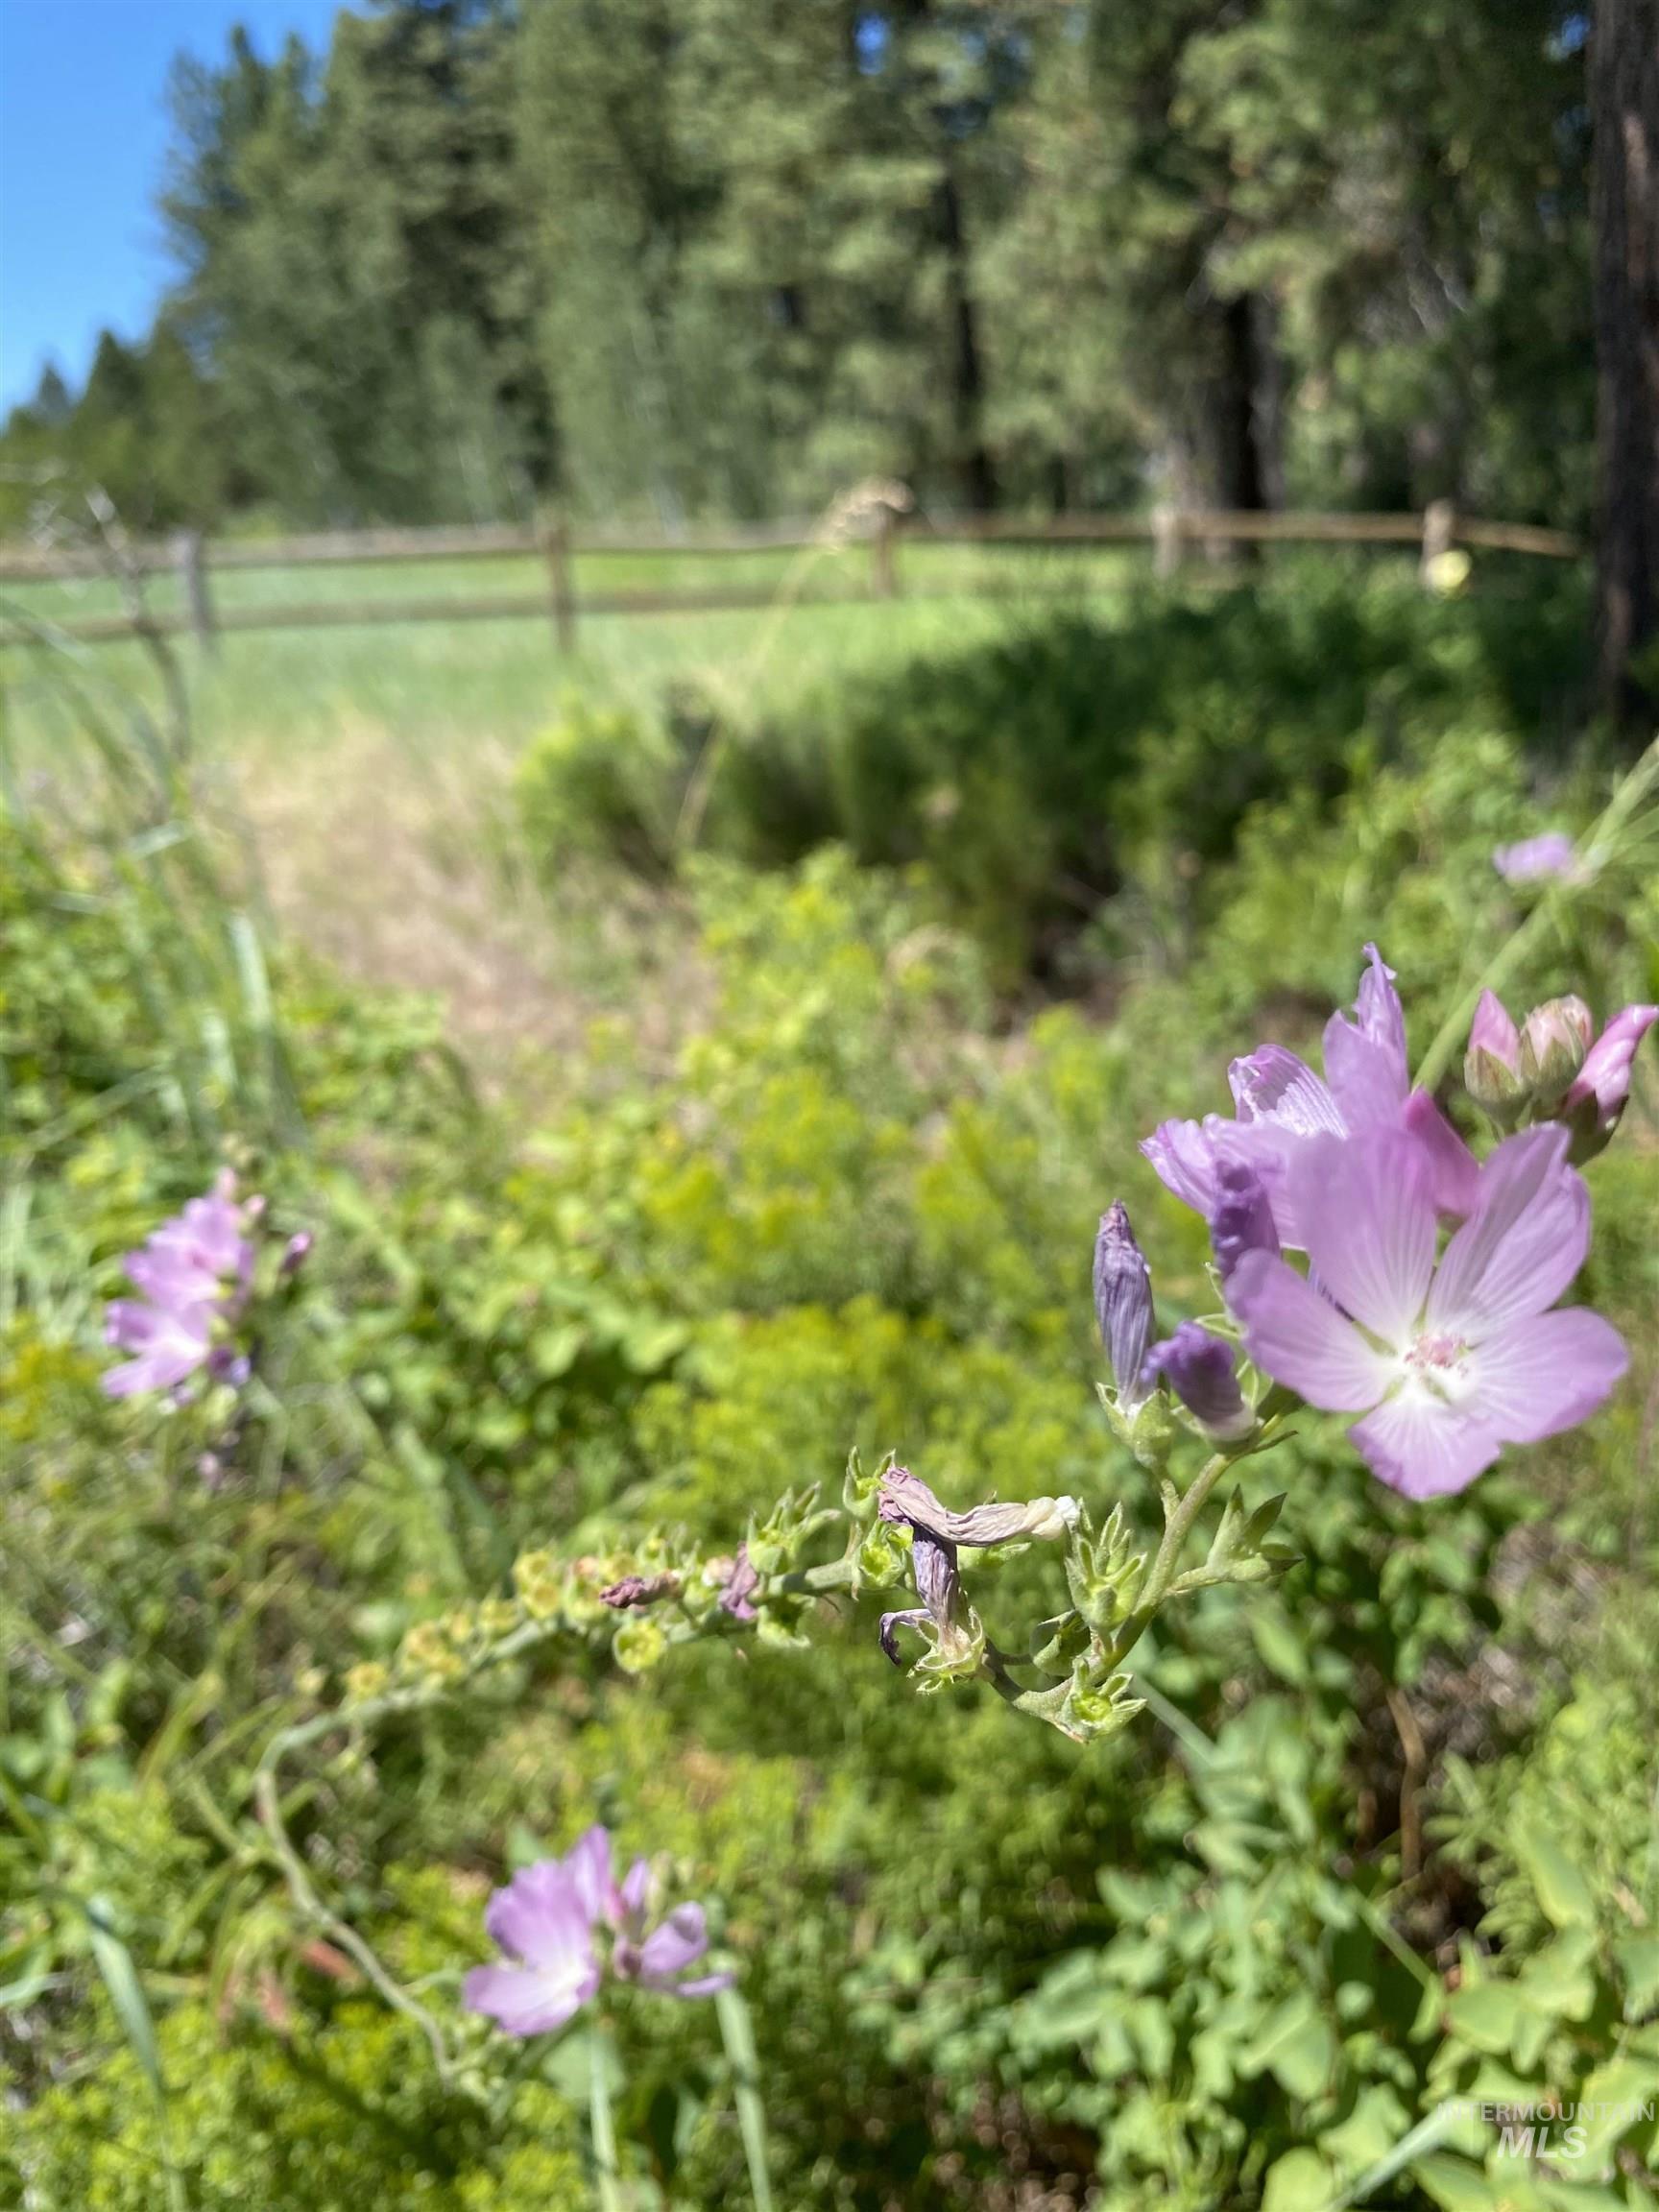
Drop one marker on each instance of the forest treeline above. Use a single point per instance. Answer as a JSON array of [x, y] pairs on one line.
[[662, 258]]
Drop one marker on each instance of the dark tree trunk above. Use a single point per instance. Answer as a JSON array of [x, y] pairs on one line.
[[1624, 111], [1246, 430], [975, 472]]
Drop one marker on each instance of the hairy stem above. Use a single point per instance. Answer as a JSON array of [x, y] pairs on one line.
[[310, 1907]]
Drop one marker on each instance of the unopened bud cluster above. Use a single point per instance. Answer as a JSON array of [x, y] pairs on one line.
[[1555, 1068]]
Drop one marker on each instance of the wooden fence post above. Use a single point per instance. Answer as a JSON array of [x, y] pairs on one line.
[[1439, 532], [556, 547], [884, 554], [1166, 535], [193, 577]]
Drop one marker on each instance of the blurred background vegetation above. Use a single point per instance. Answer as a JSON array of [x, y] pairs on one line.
[[685, 258], [709, 1050]]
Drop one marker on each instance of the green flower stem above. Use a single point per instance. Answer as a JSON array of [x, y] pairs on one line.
[[310, 1907], [607, 2185], [1177, 1527], [737, 2034]]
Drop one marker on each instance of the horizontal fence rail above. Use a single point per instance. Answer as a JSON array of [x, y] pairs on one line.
[[194, 560]]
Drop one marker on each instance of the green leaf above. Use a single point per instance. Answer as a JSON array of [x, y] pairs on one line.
[[1300, 2181], [1278, 1645], [114, 1962], [1485, 2016], [1564, 1895], [1297, 2045], [1638, 1958], [1456, 2185]]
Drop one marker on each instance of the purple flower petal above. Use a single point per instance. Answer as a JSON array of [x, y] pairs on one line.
[[1365, 1062], [1368, 1226], [677, 1942], [540, 1917], [1492, 1030], [1454, 1171], [523, 2001], [699, 1985], [635, 1894], [1273, 1085], [1605, 1075], [1422, 1446], [1184, 1155], [1535, 858], [1521, 1245], [587, 1868], [1300, 1340], [1547, 1373]]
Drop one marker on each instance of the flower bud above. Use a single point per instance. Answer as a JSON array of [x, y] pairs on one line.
[[1243, 1218], [1122, 1302], [1555, 1040], [1602, 1088], [294, 1255], [1492, 1064], [1199, 1368]]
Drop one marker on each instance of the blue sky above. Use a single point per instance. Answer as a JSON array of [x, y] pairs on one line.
[[83, 143]]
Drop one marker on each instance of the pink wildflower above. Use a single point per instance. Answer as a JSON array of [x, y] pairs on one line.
[[550, 1920], [1281, 1105], [1446, 1362]]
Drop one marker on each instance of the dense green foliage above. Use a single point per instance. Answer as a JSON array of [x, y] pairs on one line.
[[1073, 782], [1384, 1837], [682, 256]]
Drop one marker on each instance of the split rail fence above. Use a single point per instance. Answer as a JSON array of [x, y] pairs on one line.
[[196, 561]]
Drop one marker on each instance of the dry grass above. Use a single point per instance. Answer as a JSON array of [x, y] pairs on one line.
[[405, 870]]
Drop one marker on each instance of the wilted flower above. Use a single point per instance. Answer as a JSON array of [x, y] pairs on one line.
[[1123, 1301], [935, 1532], [1281, 1105], [1448, 1363], [551, 1920], [1200, 1367], [1536, 859], [907, 1500], [741, 1585], [639, 1590], [193, 1275]]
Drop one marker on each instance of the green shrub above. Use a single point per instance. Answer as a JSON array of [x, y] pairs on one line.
[[1230, 1958], [601, 783]]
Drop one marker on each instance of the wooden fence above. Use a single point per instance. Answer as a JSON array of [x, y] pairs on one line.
[[195, 561]]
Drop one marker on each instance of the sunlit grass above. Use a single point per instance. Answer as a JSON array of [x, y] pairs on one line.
[[435, 681]]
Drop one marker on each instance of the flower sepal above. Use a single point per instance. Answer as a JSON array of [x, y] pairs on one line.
[[1103, 1572], [1092, 1703], [1149, 1430]]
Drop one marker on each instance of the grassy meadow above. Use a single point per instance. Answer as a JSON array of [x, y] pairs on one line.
[[689, 1063]]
